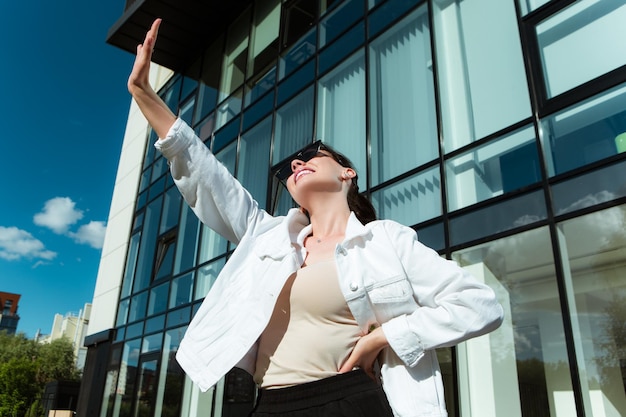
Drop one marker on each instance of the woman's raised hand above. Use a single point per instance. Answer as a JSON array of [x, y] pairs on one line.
[[151, 105], [138, 78]]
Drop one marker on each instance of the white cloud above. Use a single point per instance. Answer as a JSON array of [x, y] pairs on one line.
[[91, 233], [58, 214], [16, 244]]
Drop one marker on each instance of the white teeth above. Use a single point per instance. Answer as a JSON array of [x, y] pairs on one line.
[[302, 173]]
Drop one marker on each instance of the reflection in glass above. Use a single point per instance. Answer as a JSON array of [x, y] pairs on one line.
[[187, 240], [264, 36], [297, 54], [209, 81], [341, 111], [146, 384], [206, 276], [182, 288], [341, 48], [131, 263], [339, 19], [158, 299], [500, 166], [186, 111], [234, 61], [403, 119], [171, 209], [521, 369], [127, 377], [594, 253], [573, 43], [483, 86], [254, 156], [294, 125], [587, 190], [138, 305], [145, 258], [152, 343], [228, 109], [298, 17], [171, 377], [410, 201], [516, 212], [586, 132]]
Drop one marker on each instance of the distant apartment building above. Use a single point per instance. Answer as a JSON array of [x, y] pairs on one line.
[[8, 316], [74, 327]]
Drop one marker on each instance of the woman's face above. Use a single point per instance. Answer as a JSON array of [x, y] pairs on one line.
[[321, 173]]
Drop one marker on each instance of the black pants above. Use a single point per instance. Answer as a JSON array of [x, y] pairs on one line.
[[352, 394]]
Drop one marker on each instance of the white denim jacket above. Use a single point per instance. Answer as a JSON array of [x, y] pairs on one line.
[[387, 277]]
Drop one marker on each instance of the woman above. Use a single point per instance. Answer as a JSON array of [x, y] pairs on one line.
[[315, 303]]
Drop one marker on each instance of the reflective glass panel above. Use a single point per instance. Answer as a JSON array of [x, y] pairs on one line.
[[127, 378], [209, 80], [585, 133], [298, 17], [181, 291], [594, 254], [522, 368], [412, 200], [152, 343], [131, 262], [228, 109], [211, 245], [341, 111], [171, 209], [387, 13], [138, 305], [178, 317], [339, 19], [154, 324], [500, 166], [402, 99], [483, 86], [298, 53], [509, 214], [172, 380], [341, 48], [596, 187], [206, 276], [187, 240], [158, 299], [254, 156], [574, 43], [235, 55], [294, 125], [264, 36]]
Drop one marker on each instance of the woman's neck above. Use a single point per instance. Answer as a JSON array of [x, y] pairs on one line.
[[329, 223]]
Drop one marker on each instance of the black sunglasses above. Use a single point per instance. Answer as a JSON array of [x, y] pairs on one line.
[[284, 171]]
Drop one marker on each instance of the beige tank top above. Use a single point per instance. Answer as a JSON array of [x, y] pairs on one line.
[[311, 332]]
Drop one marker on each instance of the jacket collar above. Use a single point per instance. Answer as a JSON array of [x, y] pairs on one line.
[[277, 242]]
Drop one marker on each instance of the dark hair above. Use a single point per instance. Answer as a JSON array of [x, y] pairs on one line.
[[358, 203]]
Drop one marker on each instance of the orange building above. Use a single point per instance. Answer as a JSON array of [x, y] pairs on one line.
[[8, 316]]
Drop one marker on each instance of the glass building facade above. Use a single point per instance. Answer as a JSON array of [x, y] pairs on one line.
[[495, 128]]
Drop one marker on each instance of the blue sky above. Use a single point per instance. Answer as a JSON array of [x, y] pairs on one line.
[[63, 111]]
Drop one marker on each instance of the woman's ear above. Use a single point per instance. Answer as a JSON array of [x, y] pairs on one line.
[[349, 173]]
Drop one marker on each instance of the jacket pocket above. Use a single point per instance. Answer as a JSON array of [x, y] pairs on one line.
[[390, 290]]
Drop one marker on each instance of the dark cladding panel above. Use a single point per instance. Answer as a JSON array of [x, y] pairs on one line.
[[188, 27]]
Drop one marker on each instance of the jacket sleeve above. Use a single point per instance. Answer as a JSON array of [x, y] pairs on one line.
[[453, 306], [215, 196]]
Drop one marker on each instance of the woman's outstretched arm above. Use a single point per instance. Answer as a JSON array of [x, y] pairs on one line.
[[151, 105]]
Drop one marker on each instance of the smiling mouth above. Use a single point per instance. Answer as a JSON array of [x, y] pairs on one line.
[[301, 173]]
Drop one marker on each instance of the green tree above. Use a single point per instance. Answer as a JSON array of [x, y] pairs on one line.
[[26, 367]]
